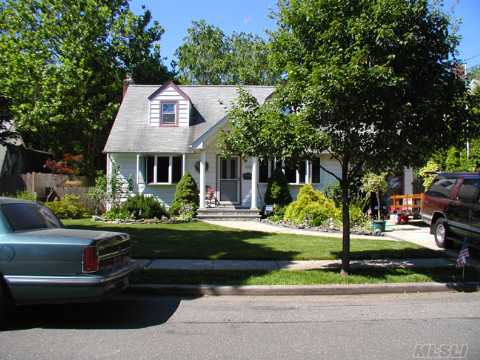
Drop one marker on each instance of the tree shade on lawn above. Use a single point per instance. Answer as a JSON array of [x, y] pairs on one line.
[[198, 240]]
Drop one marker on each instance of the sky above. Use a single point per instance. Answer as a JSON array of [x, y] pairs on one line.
[[252, 16]]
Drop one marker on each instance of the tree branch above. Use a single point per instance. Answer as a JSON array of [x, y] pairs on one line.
[[329, 172]]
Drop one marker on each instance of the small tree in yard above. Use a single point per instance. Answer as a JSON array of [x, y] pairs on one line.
[[111, 190], [277, 192], [376, 183], [371, 82], [186, 195]]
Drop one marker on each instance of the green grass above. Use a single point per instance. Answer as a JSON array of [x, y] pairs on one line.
[[198, 240], [310, 277]]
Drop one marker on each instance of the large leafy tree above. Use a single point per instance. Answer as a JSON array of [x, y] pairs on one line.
[[209, 56], [62, 63], [375, 77]]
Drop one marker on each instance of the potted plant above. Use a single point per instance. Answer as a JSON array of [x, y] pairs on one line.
[[376, 183]]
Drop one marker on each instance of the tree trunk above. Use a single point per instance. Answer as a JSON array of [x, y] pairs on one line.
[[346, 222]]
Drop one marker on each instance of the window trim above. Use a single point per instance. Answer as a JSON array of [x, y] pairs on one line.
[[176, 103], [170, 168], [307, 175]]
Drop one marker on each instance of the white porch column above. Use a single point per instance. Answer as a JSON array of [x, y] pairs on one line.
[[308, 178], [203, 160], [253, 205], [137, 179], [184, 163]]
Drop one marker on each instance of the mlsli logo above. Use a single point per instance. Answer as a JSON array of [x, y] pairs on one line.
[[440, 351]]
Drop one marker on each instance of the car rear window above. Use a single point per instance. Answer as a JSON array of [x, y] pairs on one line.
[[442, 187], [26, 216]]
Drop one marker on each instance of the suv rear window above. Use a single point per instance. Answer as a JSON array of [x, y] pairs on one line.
[[442, 187], [26, 216], [470, 190]]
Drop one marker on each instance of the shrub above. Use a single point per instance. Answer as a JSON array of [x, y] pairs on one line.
[[186, 196], [117, 213], [26, 195], [69, 207], [140, 206], [99, 194], [357, 216], [311, 206], [277, 192], [278, 213]]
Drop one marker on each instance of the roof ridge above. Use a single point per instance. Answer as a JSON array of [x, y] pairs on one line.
[[194, 85]]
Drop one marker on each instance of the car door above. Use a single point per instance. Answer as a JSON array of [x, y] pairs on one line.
[[467, 198], [475, 219]]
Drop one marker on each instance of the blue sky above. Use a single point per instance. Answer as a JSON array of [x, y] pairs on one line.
[[252, 16]]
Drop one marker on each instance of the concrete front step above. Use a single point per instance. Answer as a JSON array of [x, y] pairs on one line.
[[224, 213]]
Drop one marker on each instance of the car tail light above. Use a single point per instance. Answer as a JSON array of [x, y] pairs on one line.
[[90, 259]]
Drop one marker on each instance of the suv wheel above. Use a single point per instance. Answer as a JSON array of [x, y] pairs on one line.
[[440, 232]]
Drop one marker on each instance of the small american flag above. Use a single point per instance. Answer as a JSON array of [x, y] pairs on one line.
[[463, 255]]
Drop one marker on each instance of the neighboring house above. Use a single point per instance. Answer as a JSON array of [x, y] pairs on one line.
[[15, 158], [162, 132]]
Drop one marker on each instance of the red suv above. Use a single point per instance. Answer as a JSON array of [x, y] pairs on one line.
[[452, 209]]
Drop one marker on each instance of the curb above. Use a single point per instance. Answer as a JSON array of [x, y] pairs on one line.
[[304, 290]]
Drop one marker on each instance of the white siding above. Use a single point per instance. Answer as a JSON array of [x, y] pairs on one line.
[[331, 165], [165, 193], [170, 94], [128, 167]]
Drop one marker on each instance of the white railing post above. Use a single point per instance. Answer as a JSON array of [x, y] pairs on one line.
[[254, 184], [203, 160]]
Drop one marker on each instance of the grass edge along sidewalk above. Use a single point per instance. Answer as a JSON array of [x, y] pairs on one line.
[[367, 275]]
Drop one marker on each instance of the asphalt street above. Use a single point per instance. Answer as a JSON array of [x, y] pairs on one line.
[[409, 326]]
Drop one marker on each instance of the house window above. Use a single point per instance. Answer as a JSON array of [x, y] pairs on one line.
[[176, 168], [163, 165], [291, 173], [168, 113], [264, 171], [163, 169], [296, 174], [315, 170]]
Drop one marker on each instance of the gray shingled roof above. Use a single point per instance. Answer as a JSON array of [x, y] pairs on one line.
[[131, 131]]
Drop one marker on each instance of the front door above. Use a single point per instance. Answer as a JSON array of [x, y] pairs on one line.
[[229, 179]]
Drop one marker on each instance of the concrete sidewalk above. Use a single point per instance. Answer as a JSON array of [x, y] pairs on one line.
[[293, 265]]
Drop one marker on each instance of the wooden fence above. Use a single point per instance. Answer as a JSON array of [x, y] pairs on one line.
[[48, 186]]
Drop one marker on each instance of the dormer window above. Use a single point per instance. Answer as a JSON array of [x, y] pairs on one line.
[[168, 115]]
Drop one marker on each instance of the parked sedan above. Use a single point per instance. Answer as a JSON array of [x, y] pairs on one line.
[[42, 262]]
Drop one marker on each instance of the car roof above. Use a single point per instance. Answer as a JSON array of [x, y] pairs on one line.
[[466, 175], [9, 200]]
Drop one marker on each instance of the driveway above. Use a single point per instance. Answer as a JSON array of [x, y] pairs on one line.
[[415, 232]]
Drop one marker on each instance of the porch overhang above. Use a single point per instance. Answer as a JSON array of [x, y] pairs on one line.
[[199, 143]]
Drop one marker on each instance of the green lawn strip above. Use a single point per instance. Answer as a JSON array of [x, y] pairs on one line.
[[198, 240], [308, 277]]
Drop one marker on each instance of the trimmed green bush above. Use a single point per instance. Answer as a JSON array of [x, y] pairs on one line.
[[311, 207], [277, 192], [186, 197], [146, 207], [69, 207]]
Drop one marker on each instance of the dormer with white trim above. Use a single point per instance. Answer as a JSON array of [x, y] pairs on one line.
[[169, 106]]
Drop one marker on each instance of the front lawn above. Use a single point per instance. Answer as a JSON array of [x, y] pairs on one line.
[[309, 277], [198, 240]]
